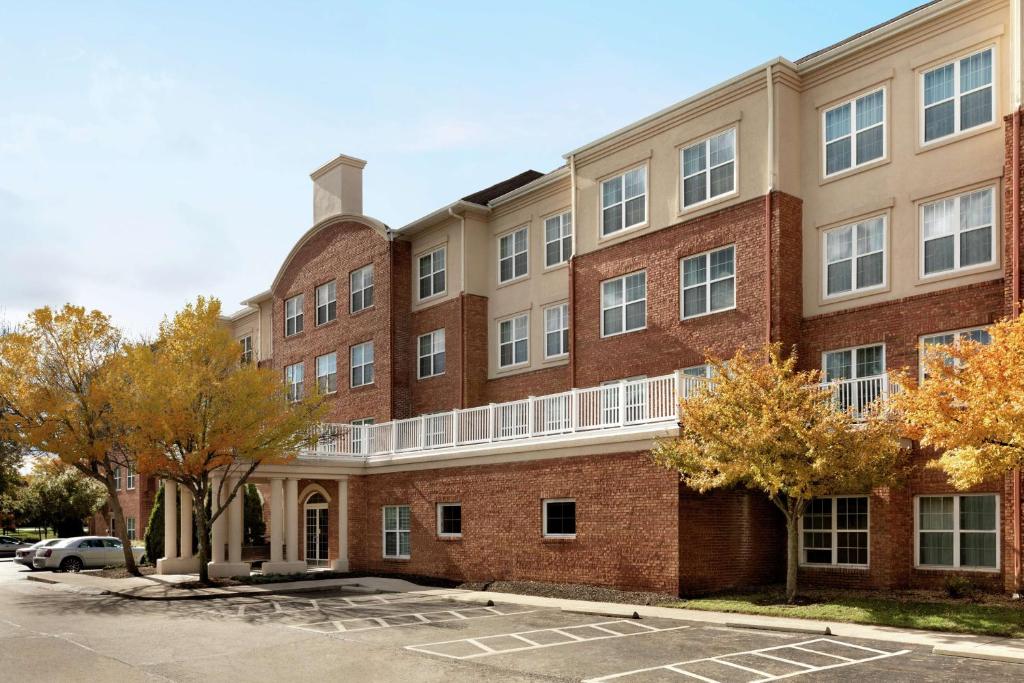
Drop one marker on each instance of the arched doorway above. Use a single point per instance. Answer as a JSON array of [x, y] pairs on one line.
[[316, 530]]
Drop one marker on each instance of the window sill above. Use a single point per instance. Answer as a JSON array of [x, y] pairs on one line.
[[556, 360], [840, 567], [995, 266], [698, 208], [508, 369], [619, 334], [429, 377], [557, 266], [432, 298], [923, 147], [365, 309], [972, 570], [320, 326], [853, 296], [619, 234], [705, 315], [362, 387], [558, 539], [402, 559], [513, 281], [289, 337], [852, 171], [450, 538]]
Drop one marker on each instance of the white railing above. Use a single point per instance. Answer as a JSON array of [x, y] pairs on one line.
[[858, 395], [622, 404]]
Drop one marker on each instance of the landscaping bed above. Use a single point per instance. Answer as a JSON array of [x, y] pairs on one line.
[[571, 591]]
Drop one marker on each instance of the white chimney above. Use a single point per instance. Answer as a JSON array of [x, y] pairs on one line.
[[338, 188]]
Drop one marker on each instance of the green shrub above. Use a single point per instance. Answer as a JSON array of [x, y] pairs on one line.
[[959, 587]]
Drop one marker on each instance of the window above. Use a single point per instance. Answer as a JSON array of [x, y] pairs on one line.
[[958, 96], [293, 315], [702, 370], [855, 132], [958, 232], [709, 168], [397, 521], [246, 344], [708, 282], [514, 341], [293, 380], [357, 434], [624, 201], [859, 372], [513, 252], [129, 523], [855, 257], [449, 519], [835, 531], [129, 483], [362, 364], [327, 373], [556, 331], [958, 531], [432, 273], [117, 478], [977, 334], [361, 286], [560, 518], [431, 354], [326, 303], [624, 304], [557, 239]]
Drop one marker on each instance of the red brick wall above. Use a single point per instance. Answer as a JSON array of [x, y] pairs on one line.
[[401, 340], [443, 392], [1008, 293], [787, 292], [475, 332], [534, 383]]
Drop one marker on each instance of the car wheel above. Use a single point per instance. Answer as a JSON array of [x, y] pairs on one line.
[[71, 564]]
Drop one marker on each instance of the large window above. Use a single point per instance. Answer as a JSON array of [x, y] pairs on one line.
[[449, 520], [708, 282], [361, 288], [958, 96], [117, 478], [855, 132], [432, 274], [293, 315], [431, 354], [957, 232], [129, 524], [361, 356], [624, 304], [514, 341], [977, 334], [958, 532], [557, 239], [326, 302], [397, 525], [624, 201], [247, 352], [834, 531], [556, 331], [513, 255], [293, 380], [855, 257], [709, 168], [560, 518], [130, 478], [859, 374], [327, 373]]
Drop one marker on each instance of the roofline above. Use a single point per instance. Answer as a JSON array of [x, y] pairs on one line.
[[239, 314], [257, 298], [538, 183], [437, 216]]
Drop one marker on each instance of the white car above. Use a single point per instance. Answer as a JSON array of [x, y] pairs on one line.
[[84, 552], [26, 555]]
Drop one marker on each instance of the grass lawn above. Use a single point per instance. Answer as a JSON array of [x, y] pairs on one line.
[[993, 616]]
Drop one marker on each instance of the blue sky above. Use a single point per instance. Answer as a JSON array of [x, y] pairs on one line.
[[152, 152]]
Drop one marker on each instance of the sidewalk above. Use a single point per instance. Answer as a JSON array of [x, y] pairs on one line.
[[166, 588]]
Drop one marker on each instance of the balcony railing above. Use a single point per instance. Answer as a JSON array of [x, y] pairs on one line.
[[606, 407]]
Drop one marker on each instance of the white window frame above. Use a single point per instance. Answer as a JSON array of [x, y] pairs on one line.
[[956, 566], [700, 370], [325, 295], [247, 350], [440, 528], [623, 305], [117, 478], [511, 320], [437, 347], [297, 303], [562, 311], [295, 395], [706, 172], [352, 365], [433, 271], [958, 336], [129, 478], [544, 517], [855, 228], [622, 202], [835, 531], [853, 361], [957, 268], [511, 236], [957, 95], [706, 285], [361, 275], [327, 360], [129, 523], [398, 531], [853, 132], [565, 232]]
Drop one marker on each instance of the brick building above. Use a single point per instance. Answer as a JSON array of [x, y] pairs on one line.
[[500, 367]]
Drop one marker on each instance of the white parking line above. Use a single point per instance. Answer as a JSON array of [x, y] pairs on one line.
[[685, 668], [354, 624], [487, 649]]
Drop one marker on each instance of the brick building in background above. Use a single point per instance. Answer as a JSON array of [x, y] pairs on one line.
[[500, 367]]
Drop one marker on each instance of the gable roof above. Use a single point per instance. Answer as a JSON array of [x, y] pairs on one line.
[[484, 196]]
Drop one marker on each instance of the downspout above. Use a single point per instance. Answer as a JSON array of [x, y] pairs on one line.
[[770, 176], [1018, 55], [391, 321], [572, 274], [462, 304]]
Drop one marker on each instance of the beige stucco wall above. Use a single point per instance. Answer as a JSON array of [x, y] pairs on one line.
[[248, 325], [447, 233]]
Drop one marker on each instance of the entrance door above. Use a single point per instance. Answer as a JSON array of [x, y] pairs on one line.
[[316, 531]]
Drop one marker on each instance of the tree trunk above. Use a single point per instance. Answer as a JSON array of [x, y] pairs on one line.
[[122, 529], [203, 531], [792, 554]]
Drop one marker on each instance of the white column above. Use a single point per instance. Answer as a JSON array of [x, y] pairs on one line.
[[292, 519], [276, 519], [217, 533], [341, 563], [170, 519], [186, 524], [235, 524]]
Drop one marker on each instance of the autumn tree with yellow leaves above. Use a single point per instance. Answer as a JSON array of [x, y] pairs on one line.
[[763, 425], [196, 412]]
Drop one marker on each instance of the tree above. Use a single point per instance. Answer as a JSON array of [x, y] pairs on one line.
[[763, 425], [255, 527], [59, 496], [971, 406], [154, 537], [52, 397], [197, 412]]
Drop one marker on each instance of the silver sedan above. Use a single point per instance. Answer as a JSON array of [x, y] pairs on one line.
[[84, 552]]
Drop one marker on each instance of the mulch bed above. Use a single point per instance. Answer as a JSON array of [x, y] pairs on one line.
[[571, 591]]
